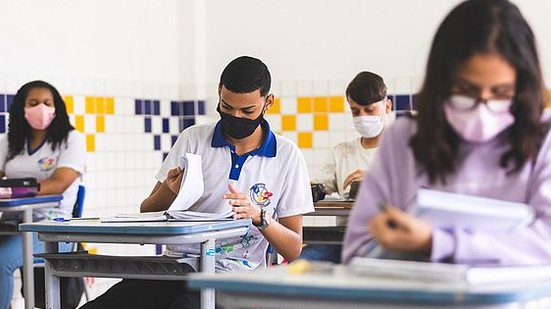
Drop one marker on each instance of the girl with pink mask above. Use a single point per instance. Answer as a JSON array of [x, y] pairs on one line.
[[40, 143], [480, 130]]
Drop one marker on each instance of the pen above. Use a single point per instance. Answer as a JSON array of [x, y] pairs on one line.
[[383, 208]]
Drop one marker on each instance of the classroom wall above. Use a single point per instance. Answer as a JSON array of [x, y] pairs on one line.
[[135, 73]]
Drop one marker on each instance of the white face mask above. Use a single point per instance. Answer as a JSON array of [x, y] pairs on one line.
[[369, 126]]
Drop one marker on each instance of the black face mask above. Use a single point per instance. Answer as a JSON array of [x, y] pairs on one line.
[[238, 127]]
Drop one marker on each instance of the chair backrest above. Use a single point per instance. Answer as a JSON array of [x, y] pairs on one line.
[[79, 204]]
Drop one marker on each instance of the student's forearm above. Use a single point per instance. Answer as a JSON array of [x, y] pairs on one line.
[[159, 200], [287, 242], [52, 186]]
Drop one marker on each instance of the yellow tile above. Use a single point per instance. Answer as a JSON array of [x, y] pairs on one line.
[[100, 105], [110, 105], [336, 104], [548, 105], [69, 104], [79, 123], [90, 143], [276, 107], [320, 104], [305, 140], [321, 122], [100, 124], [90, 108], [304, 104], [288, 122]]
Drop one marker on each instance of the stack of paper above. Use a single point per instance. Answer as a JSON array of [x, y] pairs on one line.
[[451, 210], [450, 273]]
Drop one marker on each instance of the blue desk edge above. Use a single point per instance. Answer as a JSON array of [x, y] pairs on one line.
[[30, 200]]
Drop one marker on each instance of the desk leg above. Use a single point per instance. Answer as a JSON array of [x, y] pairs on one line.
[[28, 261], [52, 282], [207, 266]]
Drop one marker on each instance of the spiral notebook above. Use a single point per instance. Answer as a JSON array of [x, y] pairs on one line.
[[448, 273]]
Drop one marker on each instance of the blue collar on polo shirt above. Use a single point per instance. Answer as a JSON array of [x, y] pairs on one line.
[[267, 149]]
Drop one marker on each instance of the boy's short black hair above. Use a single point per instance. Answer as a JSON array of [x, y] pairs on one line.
[[246, 74], [366, 88]]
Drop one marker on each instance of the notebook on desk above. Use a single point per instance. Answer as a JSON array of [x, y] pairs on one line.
[[448, 273], [170, 215]]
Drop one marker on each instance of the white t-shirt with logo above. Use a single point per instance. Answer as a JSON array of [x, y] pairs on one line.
[[41, 164], [274, 177]]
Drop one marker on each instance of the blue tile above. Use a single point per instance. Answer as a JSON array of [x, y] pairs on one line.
[[402, 102], [157, 142], [3, 108], [174, 108], [173, 139], [147, 107], [156, 107], [9, 99], [2, 123], [165, 154], [201, 107], [189, 108], [186, 122], [166, 127], [138, 105], [147, 125]]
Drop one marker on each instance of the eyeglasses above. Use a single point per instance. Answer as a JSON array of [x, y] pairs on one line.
[[463, 102]]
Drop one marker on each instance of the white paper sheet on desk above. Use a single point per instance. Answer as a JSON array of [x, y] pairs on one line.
[[192, 186]]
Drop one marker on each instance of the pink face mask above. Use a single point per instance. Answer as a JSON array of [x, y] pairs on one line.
[[478, 124], [40, 116]]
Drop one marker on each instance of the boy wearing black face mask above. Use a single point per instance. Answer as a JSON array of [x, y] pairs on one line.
[[246, 168]]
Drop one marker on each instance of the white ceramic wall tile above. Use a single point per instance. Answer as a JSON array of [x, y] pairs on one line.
[[288, 105], [320, 88], [338, 87], [287, 88], [274, 121], [340, 122], [321, 139], [157, 125], [290, 135], [305, 88], [78, 104], [90, 124], [165, 108], [305, 122], [166, 142]]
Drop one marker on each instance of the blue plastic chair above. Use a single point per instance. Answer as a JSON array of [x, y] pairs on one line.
[[78, 209]]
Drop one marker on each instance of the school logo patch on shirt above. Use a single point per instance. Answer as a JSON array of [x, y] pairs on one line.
[[260, 195], [46, 164]]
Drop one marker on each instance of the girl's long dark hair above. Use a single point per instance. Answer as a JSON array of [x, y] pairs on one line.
[[19, 130], [476, 26]]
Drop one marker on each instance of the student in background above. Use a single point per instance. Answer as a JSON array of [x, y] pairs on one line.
[[247, 168], [367, 97], [480, 130], [40, 143]]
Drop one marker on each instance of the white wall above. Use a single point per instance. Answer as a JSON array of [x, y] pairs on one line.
[[333, 40]]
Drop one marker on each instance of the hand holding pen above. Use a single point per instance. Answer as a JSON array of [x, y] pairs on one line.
[[396, 230]]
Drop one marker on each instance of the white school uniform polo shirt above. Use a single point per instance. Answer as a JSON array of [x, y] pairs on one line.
[[274, 177], [41, 164]]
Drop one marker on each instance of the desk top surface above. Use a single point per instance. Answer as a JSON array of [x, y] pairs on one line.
[[134, 228], [334, 204], [338, 284], [39, 199]]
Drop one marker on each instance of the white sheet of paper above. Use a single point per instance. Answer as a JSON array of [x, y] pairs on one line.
[[192, 185]]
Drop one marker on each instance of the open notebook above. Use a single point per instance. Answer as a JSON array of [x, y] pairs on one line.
[[191, 189], [448, 273]]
